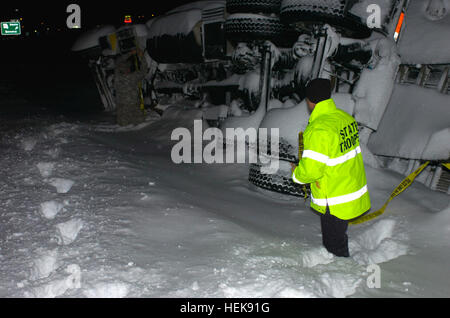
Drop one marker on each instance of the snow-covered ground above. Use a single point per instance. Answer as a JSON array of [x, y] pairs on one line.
[[90, 210]]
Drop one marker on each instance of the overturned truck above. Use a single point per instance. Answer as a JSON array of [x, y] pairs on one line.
[[245, 64]]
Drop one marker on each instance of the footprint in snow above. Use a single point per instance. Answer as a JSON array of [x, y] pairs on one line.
[[28, 143], [68, 231], [107, 290], [53, 153], [50, 209], [44, 264], [378, 244], [56, 284], [317, 256], [61, 185], [45, 168]]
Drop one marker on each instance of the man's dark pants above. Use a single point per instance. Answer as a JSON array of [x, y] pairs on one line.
[[334, 234]]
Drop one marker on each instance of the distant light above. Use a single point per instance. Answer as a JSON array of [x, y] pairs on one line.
[[127, 19]]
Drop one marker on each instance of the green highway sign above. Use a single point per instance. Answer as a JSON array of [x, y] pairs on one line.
[[10, 28]]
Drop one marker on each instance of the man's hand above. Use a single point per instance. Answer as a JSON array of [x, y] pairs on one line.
[[293, 165]]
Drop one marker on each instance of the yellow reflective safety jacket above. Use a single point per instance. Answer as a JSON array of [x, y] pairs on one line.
[[332, 163]]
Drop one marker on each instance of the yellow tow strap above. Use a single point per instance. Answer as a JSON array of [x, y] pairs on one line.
[[399, 189], [141, 98], [113, 41]]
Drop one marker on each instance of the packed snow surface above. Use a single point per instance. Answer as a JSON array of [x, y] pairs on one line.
[[93, 210], [419, 118]]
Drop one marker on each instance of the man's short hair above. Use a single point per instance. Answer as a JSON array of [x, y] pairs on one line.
[[318, 90]]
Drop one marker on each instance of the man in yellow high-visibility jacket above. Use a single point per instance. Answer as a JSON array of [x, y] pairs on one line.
[[332, 163]]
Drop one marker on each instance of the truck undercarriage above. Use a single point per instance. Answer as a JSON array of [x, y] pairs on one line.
[[246, 63]]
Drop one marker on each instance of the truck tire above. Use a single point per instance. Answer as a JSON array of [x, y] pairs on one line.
[[253, 6], [278, 182], [304, 13], [274, 182], [252, 27]]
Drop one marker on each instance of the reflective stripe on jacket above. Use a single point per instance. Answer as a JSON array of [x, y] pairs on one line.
[[332, 163]]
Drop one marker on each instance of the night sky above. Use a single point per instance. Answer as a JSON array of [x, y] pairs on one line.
[[53, 13]]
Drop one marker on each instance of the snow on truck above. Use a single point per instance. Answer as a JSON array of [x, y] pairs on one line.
[[245, 64]]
